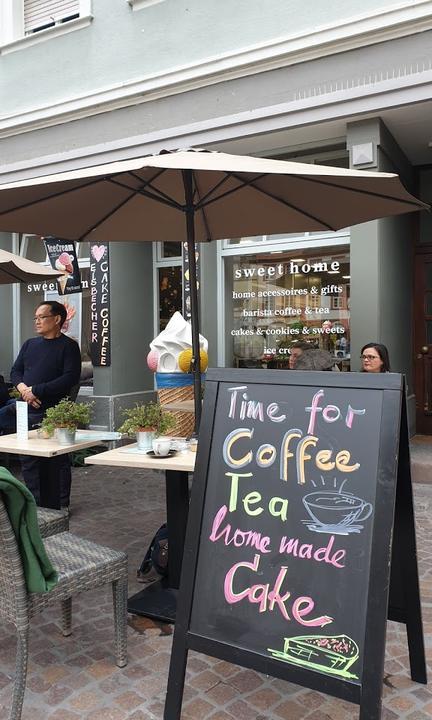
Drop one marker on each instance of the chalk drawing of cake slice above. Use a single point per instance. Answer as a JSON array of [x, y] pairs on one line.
[[333, 654]]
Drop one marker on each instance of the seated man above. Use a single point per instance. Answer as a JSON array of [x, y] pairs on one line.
[[46, 369]]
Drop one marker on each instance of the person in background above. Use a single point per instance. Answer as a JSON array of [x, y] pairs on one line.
[[7, 409], [314, 359], [375, 358], [295, 352], [45, 371]]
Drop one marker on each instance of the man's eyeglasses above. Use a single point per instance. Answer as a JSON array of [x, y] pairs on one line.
[[41, 317], [369, 357]]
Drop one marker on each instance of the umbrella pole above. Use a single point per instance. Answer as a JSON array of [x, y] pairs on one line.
[[190, 234]]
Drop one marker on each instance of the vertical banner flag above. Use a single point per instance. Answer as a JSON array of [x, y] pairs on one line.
[[186, 279], [100, 337], [62, 256]]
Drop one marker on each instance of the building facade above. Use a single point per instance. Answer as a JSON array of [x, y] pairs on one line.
[[84, 82]]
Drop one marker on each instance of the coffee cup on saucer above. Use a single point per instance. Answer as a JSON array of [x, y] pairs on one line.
[[161, 446]]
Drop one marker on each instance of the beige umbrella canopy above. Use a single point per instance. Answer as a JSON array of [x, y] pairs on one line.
[[233, 196], [198, 196], [14, 268]]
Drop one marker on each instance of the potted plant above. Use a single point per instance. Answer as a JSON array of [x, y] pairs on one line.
[[146, 421], [65, 418]]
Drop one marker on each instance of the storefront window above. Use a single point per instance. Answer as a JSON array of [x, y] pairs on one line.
[[280, 298], [171, 249], [170, 293]]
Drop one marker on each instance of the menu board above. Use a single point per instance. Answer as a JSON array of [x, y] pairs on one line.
[[288, 522], [295, 485]]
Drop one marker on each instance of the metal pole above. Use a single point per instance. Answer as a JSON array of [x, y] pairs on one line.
[[190, 235]]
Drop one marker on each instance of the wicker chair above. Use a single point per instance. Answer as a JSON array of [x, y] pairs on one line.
[[52, 522], [81, 565]]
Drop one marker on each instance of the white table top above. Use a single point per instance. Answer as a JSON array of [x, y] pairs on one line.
[[41, 447], [123, 457]]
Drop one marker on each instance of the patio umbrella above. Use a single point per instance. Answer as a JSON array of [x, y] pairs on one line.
[[202, 196], [14, 268]]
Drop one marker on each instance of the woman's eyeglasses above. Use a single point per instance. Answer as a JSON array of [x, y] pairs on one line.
[[369, 357]]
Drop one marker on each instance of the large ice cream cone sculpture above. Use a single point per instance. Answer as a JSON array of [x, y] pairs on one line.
[[170, 357]]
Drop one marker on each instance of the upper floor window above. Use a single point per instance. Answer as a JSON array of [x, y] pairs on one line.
[[40, 15], [27, 22]]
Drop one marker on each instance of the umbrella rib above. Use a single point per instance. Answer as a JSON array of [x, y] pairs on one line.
[[203, 200], [250, 183], [157, 197], [49, 197], [160, 193], [105, 217], [243, 183], [206, 225], [133, 193], [370, 193]]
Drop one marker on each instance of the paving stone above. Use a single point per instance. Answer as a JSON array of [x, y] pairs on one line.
[[221, 694], [129, 700], [76, 678], [265, 698], [197, 709], [289, 710]]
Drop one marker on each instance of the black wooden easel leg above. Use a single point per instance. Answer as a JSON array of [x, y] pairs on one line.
[[176, 677], [405, 605], [177, 503]]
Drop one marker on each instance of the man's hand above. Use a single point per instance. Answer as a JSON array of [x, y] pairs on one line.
[[28, 396]]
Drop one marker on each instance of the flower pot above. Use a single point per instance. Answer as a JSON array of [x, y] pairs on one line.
[[145, 439], [65, 436]]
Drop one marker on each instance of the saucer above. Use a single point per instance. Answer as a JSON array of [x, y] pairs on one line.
[[152, 453], [333, 529]]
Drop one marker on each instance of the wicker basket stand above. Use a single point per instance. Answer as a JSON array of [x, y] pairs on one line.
[[185, 421]]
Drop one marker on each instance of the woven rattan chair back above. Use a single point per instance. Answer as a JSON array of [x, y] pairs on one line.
[[51, 521], [81, 565], [13, 591]]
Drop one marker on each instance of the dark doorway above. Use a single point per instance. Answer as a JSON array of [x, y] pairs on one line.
[[423, 341]]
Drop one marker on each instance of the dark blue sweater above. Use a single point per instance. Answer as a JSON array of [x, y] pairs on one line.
[[50, 367]]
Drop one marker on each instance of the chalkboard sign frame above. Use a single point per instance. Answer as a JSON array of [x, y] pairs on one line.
[[393, 446]]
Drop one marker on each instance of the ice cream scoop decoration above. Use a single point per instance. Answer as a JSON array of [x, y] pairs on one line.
[[64, 263], [169, 345]]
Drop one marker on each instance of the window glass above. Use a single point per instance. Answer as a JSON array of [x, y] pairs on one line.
[[170, 293], [279, 299], [171, 249], [42, 14]]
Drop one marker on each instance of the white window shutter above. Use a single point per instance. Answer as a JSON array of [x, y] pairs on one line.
[[38, 13]]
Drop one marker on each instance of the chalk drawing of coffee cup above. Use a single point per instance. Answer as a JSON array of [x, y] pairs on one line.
[[336, 512]]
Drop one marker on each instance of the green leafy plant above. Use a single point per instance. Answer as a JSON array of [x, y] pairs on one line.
[[149, 416], [66, 414]]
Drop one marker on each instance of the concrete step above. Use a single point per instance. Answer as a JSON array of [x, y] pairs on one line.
[[421, 459]]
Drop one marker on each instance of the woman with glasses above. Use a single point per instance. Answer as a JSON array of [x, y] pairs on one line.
[[375, 358]]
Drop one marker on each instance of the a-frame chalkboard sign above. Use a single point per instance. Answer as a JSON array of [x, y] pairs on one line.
[[301, 538]]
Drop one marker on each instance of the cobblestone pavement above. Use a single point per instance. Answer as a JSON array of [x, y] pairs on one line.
[[76, 677]]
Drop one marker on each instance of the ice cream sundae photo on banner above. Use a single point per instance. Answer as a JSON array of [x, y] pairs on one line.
[[62, 256], [170, 359]]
